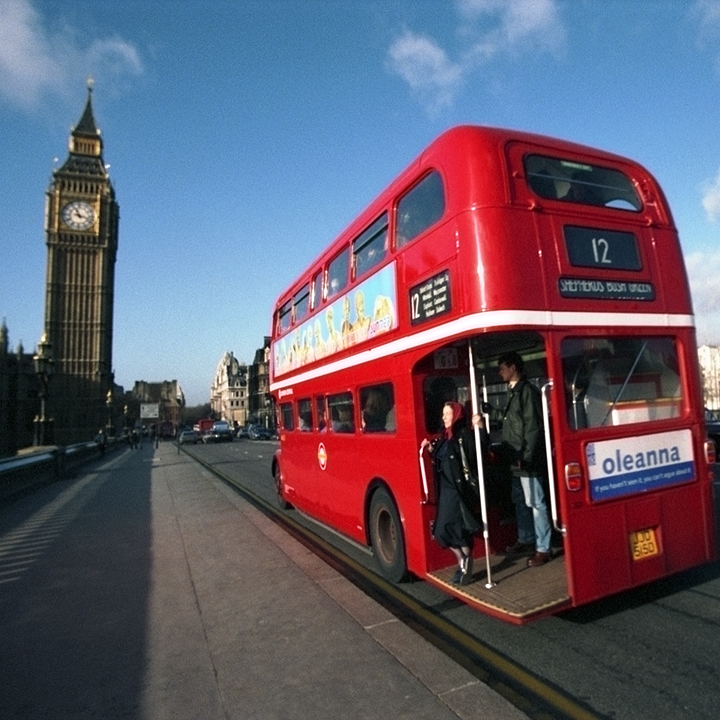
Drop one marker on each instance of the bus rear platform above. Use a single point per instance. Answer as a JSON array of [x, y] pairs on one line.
[[146, 588], [517, 593]]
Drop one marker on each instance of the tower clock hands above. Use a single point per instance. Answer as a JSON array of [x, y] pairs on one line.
[[78, 215]]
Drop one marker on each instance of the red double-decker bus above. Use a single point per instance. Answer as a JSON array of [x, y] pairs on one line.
[[494, 241]]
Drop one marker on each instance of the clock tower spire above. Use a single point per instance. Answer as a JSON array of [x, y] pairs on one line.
[[81, 233]]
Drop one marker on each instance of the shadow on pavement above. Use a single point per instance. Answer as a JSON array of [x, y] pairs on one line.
[[74, 583]]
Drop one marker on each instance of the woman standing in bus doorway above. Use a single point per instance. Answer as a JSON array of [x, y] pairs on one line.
[[454, 455]]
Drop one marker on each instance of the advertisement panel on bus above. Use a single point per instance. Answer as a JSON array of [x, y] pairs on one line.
[[311, 341]]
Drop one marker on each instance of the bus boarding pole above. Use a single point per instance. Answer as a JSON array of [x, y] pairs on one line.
[[481, 474], [485, 400]]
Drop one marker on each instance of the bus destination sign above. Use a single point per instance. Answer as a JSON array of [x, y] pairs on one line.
[[573, 287], [607, 249], [430, 299]]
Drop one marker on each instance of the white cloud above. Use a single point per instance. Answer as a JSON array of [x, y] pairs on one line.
[[426, 68], [490, 28], [711, 199], [707, 14], [34, 61], [519, 25], [705, 291]]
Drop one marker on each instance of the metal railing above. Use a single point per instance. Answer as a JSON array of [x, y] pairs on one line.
[[21, 472]]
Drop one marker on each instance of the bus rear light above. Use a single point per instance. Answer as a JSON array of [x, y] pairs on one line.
[[710, 452], [573, 476]]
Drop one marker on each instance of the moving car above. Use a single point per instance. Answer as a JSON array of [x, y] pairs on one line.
[[258, 432], [187, 437], [219, 432]]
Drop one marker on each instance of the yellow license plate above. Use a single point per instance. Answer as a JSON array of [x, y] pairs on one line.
[[643, 544]]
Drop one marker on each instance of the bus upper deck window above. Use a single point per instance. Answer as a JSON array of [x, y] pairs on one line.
[[576, 182], [337, 277], [317, 291], [301, 303], [370, 247], [284, 317], [420, 208]]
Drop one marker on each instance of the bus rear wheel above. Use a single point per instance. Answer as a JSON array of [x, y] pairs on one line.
[[386, 536], [282, 503]]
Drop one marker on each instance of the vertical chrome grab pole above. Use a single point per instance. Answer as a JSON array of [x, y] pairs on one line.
[[485, 399], [481, 474], [424, 478], [546, 388]]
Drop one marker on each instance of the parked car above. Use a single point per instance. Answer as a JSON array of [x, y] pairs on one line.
[[220, 432], [258, 432], [188, 436], [712, 427]]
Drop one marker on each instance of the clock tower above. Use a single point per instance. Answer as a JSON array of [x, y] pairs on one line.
[[81, 233]]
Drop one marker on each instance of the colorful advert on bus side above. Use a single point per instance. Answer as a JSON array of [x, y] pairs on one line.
[[638, 464], [320, 337]]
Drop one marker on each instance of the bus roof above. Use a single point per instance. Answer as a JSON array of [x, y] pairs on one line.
[[456, 150]]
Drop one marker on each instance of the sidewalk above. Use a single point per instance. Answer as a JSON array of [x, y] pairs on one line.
[[148, 589]]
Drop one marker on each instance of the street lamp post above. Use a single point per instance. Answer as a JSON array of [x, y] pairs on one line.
[[109, 405], [44, 366]]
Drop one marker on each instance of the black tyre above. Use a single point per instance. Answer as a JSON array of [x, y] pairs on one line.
[[282, 503], [386, 536]]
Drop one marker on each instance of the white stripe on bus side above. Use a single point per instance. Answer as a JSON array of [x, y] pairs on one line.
[[493, 319]]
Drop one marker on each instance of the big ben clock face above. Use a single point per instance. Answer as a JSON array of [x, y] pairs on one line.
[[78, 215]]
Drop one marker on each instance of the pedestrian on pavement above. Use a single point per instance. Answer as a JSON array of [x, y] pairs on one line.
[[101, 441]]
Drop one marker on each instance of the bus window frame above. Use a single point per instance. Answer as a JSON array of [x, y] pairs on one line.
[[344, 398], [285, 311], [302, 423], [317, 290], [389, 422], [365, 243], [400, 239], [343, 255], [321, 417], [286, 412], [301, 295], [586, 190], [622, 410]]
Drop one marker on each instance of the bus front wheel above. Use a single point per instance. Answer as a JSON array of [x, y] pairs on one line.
[[386, 537]]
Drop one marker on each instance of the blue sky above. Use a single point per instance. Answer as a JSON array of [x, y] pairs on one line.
[[243, 136]]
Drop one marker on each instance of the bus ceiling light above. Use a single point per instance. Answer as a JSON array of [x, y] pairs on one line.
[[573, 477]]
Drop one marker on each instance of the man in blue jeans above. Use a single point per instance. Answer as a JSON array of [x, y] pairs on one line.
[[523, 445]]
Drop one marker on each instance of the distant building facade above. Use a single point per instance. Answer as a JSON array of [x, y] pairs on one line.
[[229, 390], [81, 233], [168, 395], [19, 403], [709, 359], [261, 405]]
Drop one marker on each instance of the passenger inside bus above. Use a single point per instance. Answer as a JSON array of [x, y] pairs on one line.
[[343, 419], [523, 446], [377, 402]]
